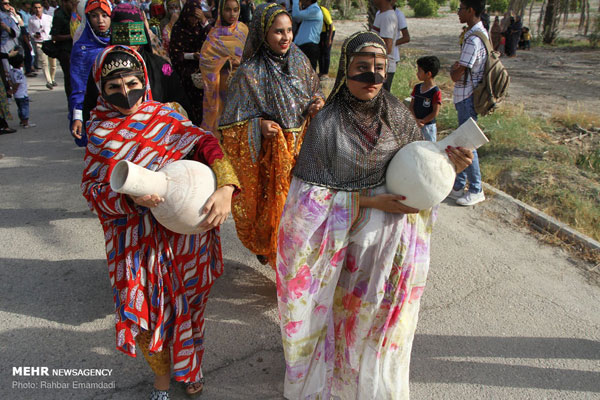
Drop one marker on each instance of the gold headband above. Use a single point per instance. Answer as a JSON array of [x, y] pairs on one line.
[[118, 64]]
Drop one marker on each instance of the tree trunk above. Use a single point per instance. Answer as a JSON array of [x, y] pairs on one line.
[[550, 15], [531, 12], [541, 17], [371, 11], [582, 16], [587, 19]]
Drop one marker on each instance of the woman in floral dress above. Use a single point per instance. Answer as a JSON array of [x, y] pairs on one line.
[[352, 260]]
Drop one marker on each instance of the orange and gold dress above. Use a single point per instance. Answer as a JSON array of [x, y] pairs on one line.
[[274, 87]]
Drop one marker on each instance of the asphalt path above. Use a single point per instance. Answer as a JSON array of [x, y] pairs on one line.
[[504, 316]]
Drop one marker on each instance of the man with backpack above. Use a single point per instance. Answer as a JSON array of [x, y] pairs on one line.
[[466, 75]]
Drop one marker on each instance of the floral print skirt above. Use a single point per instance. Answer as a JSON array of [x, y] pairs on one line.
[[349, 283]]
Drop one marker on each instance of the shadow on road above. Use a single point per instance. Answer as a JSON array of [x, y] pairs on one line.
[[430, 361], [68, 291]]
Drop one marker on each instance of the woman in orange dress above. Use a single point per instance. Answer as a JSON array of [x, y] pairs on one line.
[[269, 103]]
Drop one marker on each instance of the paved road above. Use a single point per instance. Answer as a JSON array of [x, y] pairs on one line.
[[503, 317]]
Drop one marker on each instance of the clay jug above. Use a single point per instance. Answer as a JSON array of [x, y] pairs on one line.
[[422, 171], [185, 185]]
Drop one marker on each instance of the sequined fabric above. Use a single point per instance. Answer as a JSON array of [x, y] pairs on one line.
[[270, 86], [223, 46], [277, 88], [350, 142], [265, 184], [160, 362]]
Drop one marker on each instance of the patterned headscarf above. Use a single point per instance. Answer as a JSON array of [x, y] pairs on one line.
[[350, 142], [279, 88], [186, 34], [223, 44], [104, 5], [104, 106], [263, 18]]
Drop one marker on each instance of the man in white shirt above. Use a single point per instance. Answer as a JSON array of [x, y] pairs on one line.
[[48, 9], [39, 29], [386, 25]]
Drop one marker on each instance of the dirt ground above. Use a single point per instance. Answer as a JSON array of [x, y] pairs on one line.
[[545, 80]]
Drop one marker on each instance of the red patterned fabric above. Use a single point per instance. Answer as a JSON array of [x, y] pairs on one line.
[[160, 279]]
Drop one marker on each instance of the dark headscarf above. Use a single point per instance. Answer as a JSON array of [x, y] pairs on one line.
[[279, 88], [187, 38], [350, 142]]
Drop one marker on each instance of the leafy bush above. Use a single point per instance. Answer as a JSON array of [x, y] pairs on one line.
[[454, 5], [498, 5], [425, 8], [440, 2]]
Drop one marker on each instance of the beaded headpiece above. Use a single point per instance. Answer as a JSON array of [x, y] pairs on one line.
[[128, 33], [128, 26], [120, 62]]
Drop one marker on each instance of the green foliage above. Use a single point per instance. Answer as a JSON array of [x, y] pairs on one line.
[[590, 160], [425, 8], [440, 2], [454, 5], [498, 6]]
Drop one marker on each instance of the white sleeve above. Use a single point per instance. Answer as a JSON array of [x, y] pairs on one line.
[[376, 22], [401, 20], [389, 24]]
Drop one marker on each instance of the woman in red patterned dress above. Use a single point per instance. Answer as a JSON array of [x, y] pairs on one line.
[[160, 279]]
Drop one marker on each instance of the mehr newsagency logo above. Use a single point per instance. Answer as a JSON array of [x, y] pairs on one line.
[[63, 378]]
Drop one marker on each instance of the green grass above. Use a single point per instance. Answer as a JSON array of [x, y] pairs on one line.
[[523, 157]]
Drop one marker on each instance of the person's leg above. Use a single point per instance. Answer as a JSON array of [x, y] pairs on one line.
[[159, 362], [20, 110], [65, 65], [25, 110], [462, 111], [43, 59], [387, 85], [322, 46], [52, 64], [429, 132], [327, 56], [472, 173]]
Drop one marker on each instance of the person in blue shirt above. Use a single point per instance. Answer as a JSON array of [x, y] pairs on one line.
[[309, 33], [25, 40], [95, 37]]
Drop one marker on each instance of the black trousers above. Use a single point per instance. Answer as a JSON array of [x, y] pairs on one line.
[[65, 64], [325, 53], [312, 52], [387, 85]]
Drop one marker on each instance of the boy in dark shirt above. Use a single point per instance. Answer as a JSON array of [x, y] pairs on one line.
[[426, 97]]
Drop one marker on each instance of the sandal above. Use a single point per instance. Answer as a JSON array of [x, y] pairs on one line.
[[156, 394], [191, 388], [262, 259]]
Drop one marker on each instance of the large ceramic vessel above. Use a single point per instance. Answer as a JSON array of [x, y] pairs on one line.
[[422, 172], [185, 185]]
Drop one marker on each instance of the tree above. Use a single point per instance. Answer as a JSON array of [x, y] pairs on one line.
[[551, 17]]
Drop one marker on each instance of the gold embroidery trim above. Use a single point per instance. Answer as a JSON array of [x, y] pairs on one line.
[[225, 173]]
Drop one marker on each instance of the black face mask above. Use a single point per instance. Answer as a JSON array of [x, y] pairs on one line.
[[125, 102], [368, 77]]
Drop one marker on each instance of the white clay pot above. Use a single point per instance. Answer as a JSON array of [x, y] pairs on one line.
[[185, 185], [422, 172]]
